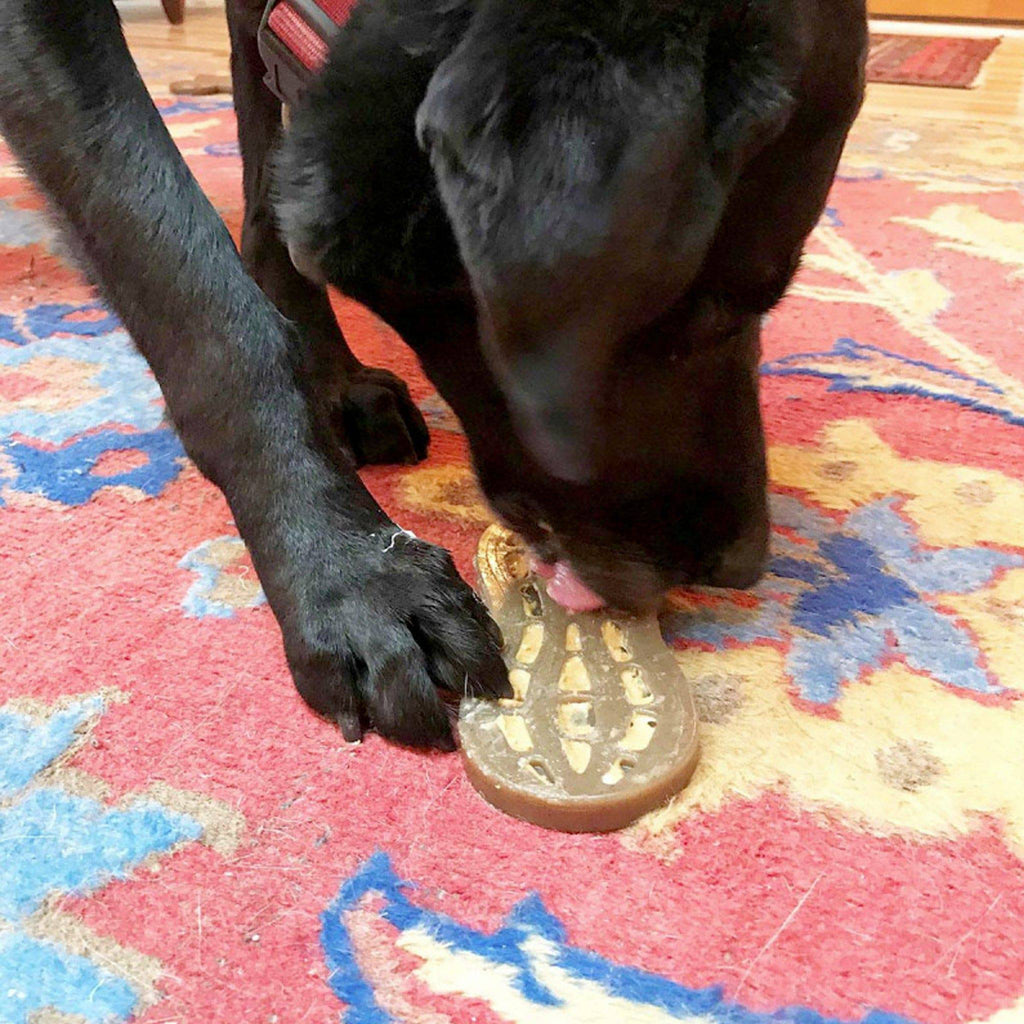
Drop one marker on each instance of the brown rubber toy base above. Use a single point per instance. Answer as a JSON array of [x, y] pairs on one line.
[[603, 726]]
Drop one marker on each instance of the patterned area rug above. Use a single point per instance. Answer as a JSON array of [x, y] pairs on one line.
[[953, 62], [180, 841]]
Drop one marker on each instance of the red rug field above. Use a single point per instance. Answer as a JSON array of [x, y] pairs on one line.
[[181, 841]]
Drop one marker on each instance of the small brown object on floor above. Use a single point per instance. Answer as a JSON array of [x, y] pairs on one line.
[[602, 728], [202, 85]]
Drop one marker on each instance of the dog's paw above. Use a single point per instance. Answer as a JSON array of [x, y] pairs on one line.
[[379, 420], [375, 648]]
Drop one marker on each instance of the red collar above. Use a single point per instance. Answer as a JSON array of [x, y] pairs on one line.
[[294, 38]]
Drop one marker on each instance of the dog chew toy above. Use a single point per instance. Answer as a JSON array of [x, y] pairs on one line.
[[602, 727], [201, 85]]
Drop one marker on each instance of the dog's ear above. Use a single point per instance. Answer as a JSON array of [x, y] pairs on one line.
[[759, 116], [460, 122], [427, 27], [748, 96]]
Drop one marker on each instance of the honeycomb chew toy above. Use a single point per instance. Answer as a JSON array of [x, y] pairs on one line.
[[602, 727]]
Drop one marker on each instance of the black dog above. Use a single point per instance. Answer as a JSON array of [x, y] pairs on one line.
[[574, 211]]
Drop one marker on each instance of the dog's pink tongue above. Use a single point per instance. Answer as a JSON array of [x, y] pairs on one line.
[[566, 588]]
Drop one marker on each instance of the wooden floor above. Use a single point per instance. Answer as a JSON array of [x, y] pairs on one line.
[[204, 30], [999, 97]]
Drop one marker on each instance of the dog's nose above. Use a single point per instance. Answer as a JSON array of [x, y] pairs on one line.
[[741, 564]]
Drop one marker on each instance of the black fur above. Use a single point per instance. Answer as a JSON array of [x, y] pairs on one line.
[[616, 193], [574, 212]]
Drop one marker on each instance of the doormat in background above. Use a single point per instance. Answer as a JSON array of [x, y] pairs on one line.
[[950, 62]]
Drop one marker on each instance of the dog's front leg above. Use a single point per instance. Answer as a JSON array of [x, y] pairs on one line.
[[373, 620]]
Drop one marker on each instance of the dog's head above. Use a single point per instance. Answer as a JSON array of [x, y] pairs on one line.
[[594, 164]]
